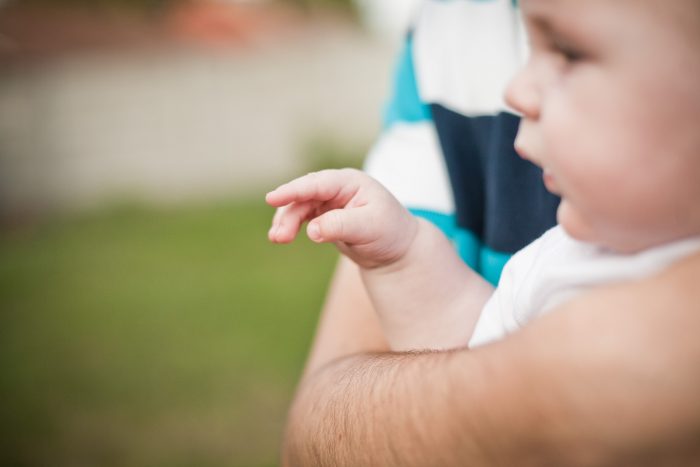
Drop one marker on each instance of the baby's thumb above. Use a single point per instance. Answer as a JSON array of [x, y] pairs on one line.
[[339, 225]]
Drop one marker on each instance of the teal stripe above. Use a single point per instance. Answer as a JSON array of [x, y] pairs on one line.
[[487, 262], [491, 264], [405, 104]]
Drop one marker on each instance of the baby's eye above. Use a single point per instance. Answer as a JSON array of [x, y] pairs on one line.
[[570, 54]]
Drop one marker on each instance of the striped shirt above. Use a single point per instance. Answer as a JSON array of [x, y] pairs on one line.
[[446, 150]]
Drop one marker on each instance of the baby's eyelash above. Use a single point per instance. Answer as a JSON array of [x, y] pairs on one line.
[[569, 53], [571, 56]]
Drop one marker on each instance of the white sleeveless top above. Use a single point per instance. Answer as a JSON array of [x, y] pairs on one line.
[[554, 268]]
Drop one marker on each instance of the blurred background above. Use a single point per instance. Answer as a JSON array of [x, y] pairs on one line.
[[144, 318]]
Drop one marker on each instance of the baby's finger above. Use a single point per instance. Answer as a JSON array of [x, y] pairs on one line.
[[351, 226], [317, 186], [279, 212], [287, 221]]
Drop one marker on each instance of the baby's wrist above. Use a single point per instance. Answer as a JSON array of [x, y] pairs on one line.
[[406, 253], [427, 299]]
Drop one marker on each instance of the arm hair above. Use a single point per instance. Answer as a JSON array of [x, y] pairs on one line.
[[610, 379]]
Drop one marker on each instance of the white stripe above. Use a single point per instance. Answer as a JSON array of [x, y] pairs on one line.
[[465, 52], [407, 159]]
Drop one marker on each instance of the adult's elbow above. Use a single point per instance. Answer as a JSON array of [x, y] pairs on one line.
[[293, 439], [302, 432]]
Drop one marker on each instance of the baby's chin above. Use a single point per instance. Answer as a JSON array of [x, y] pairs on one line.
[[578, 228], [573, 223]]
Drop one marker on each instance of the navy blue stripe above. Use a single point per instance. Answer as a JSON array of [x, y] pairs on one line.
[[498, 196]]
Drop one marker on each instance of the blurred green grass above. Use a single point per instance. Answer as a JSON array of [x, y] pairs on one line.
[[137, 337]]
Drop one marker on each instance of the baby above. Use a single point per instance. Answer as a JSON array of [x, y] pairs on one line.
[[610, 107]]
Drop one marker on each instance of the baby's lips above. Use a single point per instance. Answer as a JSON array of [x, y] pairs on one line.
[[550, 182]]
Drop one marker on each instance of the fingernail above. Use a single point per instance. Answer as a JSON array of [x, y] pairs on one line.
[[314, 232]]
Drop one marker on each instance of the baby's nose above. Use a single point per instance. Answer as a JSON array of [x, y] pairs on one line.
[[522, 94]]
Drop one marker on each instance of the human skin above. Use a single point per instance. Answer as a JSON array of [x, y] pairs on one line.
[[583, 77], [621, 388], [610, 107], [608, 379], [425, 296]]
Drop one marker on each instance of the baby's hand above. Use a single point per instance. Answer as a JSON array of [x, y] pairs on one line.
[[346, 207]]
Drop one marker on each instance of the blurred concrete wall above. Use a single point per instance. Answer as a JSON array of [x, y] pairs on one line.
[[181, 124]]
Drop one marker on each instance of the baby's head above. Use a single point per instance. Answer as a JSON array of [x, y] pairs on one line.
[[611, 111]]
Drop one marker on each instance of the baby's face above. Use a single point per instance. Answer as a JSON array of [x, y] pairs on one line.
[[611, 111]]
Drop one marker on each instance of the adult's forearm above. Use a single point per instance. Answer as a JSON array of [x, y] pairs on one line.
[[610, 379], [380, 410], [446, 408]]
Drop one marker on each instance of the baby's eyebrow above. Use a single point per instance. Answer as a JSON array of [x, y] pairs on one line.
[[550, 16], [565, 23], [549, 28], [542, 23]]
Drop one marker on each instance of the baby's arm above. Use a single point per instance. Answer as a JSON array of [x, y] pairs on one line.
[[429, 299], [425, 296]]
